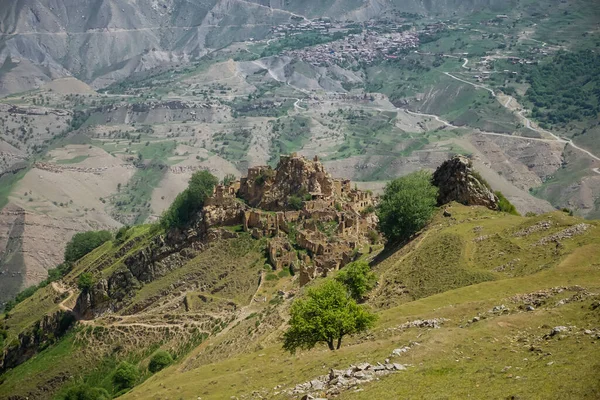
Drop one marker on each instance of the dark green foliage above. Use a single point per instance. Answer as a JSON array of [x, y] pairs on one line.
[[407, 205], [326, 315], [83, 243], [567, 88], [85, 281], [85, 392], [264, 176], [57, 273], [295, 202], [122, 234], [506, 206], [160, 360], [271, 277], [373, 236], [568, 211], [368, 210], [358, 279], [3, 336], [126, 376], [189, 202]]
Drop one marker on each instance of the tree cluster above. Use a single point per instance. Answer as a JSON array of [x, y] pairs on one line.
[[407, 205], [189, 202]]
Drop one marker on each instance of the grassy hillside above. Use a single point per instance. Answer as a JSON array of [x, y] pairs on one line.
[[489, 347], [476, 272]]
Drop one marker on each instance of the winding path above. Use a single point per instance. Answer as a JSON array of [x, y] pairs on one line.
[[527, 120], [61, 289]]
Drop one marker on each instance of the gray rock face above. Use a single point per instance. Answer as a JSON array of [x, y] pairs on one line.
[[458, 181]]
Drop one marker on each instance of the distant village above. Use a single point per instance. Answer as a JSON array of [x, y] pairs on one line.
[[367, 46], [364, 47]]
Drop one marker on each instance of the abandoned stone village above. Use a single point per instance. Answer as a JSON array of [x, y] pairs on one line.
[[315, 223]]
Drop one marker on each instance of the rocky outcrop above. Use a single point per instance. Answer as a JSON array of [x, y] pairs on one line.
[[37, 337], [106, 294], [458, 181]]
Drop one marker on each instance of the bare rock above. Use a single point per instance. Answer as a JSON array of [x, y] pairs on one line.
[[458, 181]]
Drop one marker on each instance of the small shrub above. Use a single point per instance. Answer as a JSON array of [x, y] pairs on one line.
[[83, 243], [160, 360], [368, 210], [85, 281], [85, 392], [373, 236], [125, 376], [189, 202], [295, 202], [506, 206], [284, 273], [122, 234], [407, 205], [271, 277], [228, 179], [358, 279], [568, 211]]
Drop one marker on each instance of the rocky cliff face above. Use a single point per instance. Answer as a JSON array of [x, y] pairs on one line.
[[41, 334], [458, 181]]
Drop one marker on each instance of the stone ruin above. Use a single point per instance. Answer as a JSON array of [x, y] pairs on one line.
[[326, 226]]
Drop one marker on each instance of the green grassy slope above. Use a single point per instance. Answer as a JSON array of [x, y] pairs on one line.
[[225, 327], [463, 357]]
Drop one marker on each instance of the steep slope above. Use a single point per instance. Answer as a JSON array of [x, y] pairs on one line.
[[476, 263]]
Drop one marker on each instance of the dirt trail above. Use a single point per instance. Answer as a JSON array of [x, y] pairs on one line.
[[527, 121], [61, 289], [242, 315]]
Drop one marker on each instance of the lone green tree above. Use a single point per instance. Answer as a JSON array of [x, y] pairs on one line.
[[190, 201], [358, 279], [325, 316], [407, 205]]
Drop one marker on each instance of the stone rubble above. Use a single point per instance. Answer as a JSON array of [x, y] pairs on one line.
[[540, 297], [424, 323], [340, 380], [540, 226], [567, 233]]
